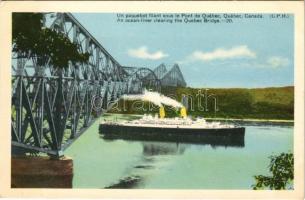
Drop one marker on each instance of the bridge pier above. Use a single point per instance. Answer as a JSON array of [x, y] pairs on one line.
[[41, 172]]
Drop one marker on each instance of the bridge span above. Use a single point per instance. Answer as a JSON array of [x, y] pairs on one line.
[[52, 107]]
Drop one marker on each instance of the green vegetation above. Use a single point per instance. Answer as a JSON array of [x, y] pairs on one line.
[[258, 103], [32, 40], [281, 167]]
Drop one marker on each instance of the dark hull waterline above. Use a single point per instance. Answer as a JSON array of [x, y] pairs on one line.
[[213, 136]]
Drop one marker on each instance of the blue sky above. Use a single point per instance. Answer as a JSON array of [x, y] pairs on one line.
[[246, 53]]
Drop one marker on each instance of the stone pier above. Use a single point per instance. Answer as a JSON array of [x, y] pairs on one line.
[[41, 172]]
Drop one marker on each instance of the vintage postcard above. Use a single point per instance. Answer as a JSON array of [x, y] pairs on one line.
[[152, 99]]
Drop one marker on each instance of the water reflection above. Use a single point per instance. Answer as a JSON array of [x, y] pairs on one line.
[[150, 162], [213, 141], [126, 183], [146, 164], [155, 157], [162, 148]]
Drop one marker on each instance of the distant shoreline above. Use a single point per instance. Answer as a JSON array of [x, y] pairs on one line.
[[252, 120], [229, 119]]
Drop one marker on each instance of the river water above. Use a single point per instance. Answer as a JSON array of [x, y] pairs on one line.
[[99, 163]]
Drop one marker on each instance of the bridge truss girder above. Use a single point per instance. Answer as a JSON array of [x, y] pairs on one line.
[[52, 107]]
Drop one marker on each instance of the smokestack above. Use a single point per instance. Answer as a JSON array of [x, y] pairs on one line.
[[161, 112], [183, 112]]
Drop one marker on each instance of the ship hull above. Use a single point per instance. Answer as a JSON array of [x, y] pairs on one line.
[[213, 136]]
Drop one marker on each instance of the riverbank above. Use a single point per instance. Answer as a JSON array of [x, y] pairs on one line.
[[276, 103]]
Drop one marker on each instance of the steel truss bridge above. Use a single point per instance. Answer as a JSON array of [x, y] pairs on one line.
[[52, 107]]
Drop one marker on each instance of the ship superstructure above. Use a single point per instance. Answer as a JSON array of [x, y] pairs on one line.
[[150, 121]]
